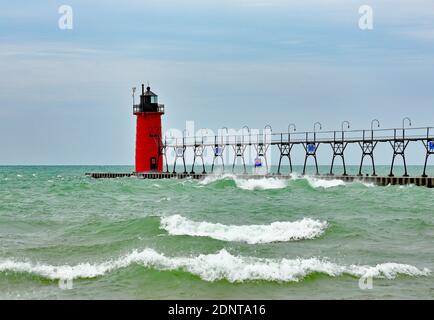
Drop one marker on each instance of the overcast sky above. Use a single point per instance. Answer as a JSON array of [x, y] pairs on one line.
[[65, 95]]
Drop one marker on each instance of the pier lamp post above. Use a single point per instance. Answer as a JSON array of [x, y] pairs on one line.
[[199, 150], [134, 92], [227, 132], [314, 129], [289, 130], [183, 136], [201, 133], [165, 150], [222, 150], [293, 126], [242, 133], [372, 127], [269, 128], [175, 147], [342, 127], [403, 125]]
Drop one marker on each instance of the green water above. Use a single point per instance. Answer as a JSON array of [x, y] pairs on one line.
[[111, 237]]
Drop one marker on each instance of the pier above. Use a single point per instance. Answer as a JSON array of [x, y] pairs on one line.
[[376, 180], [367, 140], [152, 149]]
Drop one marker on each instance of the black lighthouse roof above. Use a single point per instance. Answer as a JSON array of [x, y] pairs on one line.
[[149, 92], [148, 102]]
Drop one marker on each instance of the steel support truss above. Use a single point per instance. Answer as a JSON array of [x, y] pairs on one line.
[[338, 151], [399, 146], [162, 153], [261, 151], [285, 151], [310, 149], [218, 153], [367, 151], [198, 153], [239, 150], [429, 146], [179, 153]]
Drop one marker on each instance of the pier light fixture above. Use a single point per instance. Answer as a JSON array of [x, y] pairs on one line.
[[227, 132], [342, 127], [242, 132], [134, 92], [315, 125], [184, 135], [403, 122], [314, 129], [345, 123], [372, 124], [372, 128], [245, 127], [201, 132], [265, 131], [293, 126], [403, 125]]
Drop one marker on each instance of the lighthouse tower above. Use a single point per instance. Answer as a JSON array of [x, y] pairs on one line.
[[148, 132]]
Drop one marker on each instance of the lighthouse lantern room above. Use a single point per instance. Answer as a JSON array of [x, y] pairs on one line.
[[148, 132]]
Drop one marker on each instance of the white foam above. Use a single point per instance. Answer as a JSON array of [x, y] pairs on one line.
[[324, 183], [315, 182], [221, 265], [276, 183], [261, 184], [295, 176], [367, 184], [275, 232], [247, 184], [216, 177]]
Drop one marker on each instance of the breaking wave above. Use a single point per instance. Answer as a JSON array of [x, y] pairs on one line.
[[316, 183], [275, 232], [248, 184], [261, 184], [218, 266], [267, 183], [217, 177], [324, 183]]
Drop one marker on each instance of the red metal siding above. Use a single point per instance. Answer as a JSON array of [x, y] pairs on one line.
[[148, 140]]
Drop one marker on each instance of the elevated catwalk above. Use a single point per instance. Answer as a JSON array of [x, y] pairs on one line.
[[377, 180]]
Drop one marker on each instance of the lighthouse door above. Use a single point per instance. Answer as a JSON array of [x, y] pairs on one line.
[[153, 164]]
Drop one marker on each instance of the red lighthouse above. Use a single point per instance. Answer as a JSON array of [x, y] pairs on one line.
[[148, 132]]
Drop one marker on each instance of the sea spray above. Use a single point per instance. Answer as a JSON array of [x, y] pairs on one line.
[[247, 184], [217, 266], [274, 232]]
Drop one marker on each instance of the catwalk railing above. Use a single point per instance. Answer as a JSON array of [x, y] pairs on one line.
[[311, 141]]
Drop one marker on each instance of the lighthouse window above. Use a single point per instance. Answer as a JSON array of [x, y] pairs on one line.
[[154, 99]]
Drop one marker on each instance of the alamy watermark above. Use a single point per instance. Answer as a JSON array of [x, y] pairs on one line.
[[227, 146], [66, 19], [66, 284], [366, 283], [366, 20]]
